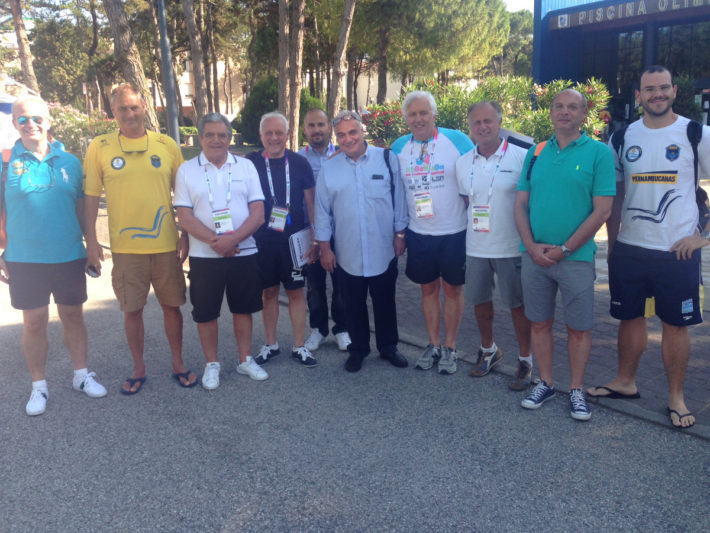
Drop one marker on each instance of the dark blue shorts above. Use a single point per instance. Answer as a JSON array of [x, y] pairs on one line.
[[212, 278], [637, 273], [276, 266], [430, 257]]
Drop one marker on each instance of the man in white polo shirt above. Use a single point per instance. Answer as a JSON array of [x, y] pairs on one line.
[[220, 204], [488, 179]]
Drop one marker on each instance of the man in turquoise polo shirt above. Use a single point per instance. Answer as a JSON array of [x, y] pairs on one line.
[[559, 207]]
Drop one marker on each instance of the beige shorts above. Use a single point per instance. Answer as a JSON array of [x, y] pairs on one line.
[[133, 274]]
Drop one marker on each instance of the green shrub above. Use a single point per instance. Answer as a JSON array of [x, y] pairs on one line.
[[71, 125], [264, 98], [685, 103], [526, 107]]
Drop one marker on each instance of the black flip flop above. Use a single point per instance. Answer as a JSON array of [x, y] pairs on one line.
[[680, 417], [614, 394], [131, 382], [186, 377]]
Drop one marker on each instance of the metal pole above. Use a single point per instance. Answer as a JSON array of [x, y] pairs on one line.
[[166, 72]]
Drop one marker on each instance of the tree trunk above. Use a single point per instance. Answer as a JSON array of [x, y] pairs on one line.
[[337, 77], [128, 58], [251, 70], [317, 81], [382, 65], [284, 56], [350, 81], [199, 91], [23, 45], [213, 57], [205, 56], [296, 66]]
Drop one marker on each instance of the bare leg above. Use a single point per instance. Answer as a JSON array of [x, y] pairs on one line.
[[297, 312], [74, 334], [521, 325], [431, 306], [543, 345], [135, 334], [579, 344], [270, 313], [243, 331], [453, 312], [208, 332], [631, 343], [675, 347], [34, 340], [484, 319]]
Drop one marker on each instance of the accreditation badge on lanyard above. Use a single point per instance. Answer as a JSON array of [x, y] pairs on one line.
[[423, 201], [280, 217], [481, 214], [221, 218]]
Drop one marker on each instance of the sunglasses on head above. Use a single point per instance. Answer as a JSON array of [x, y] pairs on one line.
[[24, 120]]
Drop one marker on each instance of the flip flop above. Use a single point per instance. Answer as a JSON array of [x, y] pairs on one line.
[[680, 417], [131, 382], [614, 394], [186, 377]]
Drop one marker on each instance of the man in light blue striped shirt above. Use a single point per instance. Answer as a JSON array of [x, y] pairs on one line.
[[364, 209]]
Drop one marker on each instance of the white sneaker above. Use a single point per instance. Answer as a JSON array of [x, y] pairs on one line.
[[343, 340], [314, 340], [37, 403], [90, 386], [251, 369], [210, 379]]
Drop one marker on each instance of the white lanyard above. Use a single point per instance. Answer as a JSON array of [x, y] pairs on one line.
[[500, 158], [271, 183], [431, 161], [210, 196]]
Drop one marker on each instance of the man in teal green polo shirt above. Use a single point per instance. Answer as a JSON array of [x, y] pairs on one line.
[[559, 207]]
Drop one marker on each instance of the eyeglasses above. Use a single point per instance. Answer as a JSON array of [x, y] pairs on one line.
[[25, 119], [346, 115], [133, 151]]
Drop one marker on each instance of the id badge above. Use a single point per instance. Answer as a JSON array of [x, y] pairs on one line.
[[277, 221], [481, 218], [222, 219], [423, 204]]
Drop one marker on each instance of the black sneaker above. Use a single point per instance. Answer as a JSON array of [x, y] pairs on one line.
[[267, 352]]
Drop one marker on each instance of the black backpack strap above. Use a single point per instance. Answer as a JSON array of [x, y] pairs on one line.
[[538, 149], [617, 141], [695, 135], [389, 167], [5, 167]]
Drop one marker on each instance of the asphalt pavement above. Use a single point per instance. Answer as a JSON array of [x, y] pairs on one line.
[[318, 449]]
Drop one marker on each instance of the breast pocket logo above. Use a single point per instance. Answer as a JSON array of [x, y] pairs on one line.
[[672, 152], [155, 161], [633, 154]]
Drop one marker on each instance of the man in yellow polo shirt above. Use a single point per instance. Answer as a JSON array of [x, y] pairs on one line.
[[136, 169]]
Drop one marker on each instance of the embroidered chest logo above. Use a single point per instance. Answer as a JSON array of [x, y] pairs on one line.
[[672, 152], [117, 163], [155, 161]]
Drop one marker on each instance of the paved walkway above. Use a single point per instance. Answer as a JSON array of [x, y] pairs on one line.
[[652, 382]]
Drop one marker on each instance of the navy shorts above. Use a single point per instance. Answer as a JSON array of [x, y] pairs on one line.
[[637, 273], [430, 257], [276, 266], [31, 284], [210, 278]]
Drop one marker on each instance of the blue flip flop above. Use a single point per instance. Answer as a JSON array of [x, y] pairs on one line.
[[131, 382], [186, 377]]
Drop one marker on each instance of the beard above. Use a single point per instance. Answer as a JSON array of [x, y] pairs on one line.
[[653, 112]]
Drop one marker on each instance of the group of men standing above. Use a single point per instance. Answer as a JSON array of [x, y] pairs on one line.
[[471, 215]]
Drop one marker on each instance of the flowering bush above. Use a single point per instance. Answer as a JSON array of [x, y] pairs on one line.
[[70, 126], [526, 107], [384, 123]]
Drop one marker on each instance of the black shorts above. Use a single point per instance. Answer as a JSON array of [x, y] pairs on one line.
[[32, 283], [432, 256], [276, 266], [210, 278], [637, 273]]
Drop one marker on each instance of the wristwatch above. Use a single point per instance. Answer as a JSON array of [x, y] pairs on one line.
[[566, 252], [705, 235]]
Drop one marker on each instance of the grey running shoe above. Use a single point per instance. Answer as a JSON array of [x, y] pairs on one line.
[[430, 356], [447, 363], [486, 361], [523, 377]]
